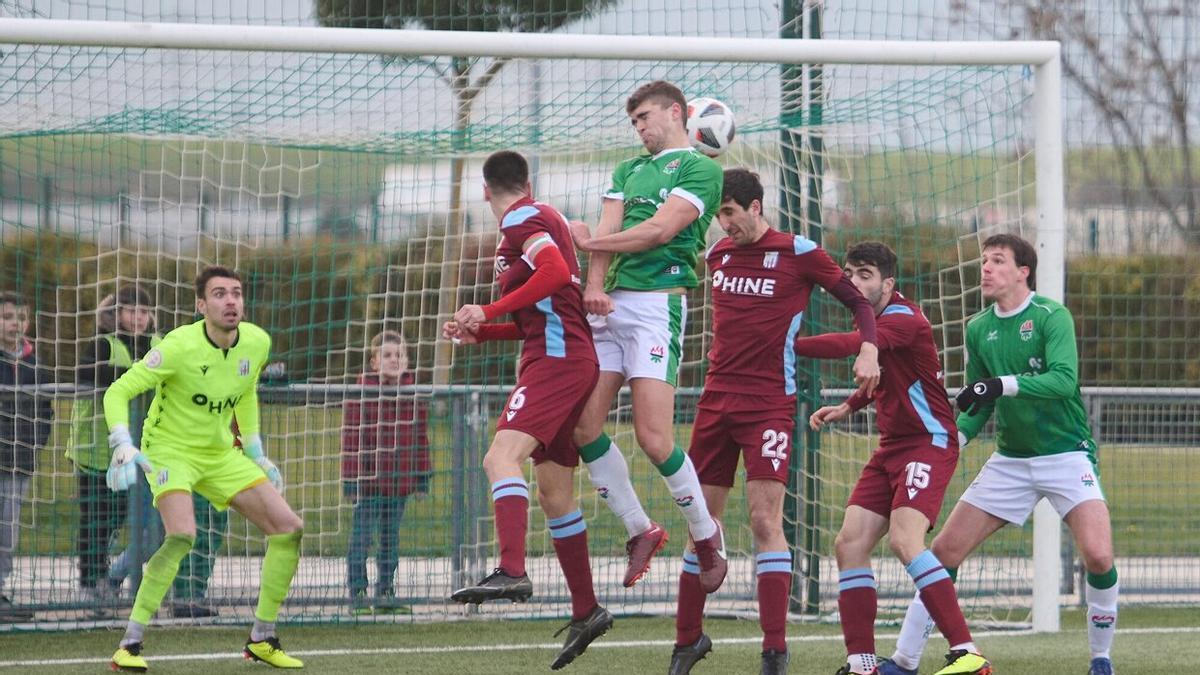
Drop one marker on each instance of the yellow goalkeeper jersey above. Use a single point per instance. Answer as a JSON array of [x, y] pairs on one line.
[[199, 388]]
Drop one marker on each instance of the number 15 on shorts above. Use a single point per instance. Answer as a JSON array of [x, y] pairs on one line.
[[916, 477]]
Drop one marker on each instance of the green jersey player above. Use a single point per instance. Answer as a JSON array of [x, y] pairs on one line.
[[204, 374], [1022, 364], [643, 259]]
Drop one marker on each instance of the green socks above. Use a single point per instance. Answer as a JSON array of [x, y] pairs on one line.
[[278, 568], [160, 572]]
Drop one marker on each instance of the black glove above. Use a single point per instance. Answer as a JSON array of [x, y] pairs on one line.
[[978, 394]]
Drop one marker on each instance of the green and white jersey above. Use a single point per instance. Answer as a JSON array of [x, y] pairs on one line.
[[200, 387], [1033, 349], [643, 185]]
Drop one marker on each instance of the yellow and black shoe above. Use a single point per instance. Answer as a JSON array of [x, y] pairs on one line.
[[963, 662], [129, 659], [269, 652]]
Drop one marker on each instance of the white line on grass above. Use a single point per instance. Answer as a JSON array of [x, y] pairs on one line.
[[463, 649]]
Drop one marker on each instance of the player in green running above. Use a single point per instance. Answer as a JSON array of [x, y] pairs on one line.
[[1022, 363], [643, 261], [204, 374]]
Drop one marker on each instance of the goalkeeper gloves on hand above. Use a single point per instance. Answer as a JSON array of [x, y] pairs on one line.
[[126, 459], [978, 394], [253, 447]]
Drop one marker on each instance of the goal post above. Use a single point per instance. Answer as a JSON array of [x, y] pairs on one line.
[[265, 150]]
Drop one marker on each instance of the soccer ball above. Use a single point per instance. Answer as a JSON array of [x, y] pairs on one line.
[[710, 125]]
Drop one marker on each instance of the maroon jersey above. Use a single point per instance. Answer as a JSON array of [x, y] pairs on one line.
[[910, 400], [555, 326], [759, 295]]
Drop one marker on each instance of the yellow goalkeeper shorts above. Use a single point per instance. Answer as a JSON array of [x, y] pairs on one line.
[[217, 476]]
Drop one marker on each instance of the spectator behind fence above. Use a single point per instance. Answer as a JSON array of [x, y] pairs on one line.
[[25, 416], [125, 333], [385, 458]]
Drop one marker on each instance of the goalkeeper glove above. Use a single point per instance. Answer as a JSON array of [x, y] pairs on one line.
[[978, 394], [253, 447], [126, 459]]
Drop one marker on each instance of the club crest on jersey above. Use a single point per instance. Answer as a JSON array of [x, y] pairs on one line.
[[1027, 330], [1088, 480], [671, 167], [770, 259], [244, 367], [657, 352], [153, 359]]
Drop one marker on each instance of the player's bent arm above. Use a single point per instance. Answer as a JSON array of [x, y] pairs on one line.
[[1061, 379], [549, 275], [612, 212], [829, 345], [246, 411], [488, 332], [891, 334], [675, 215], [132, 382], [969, 426]]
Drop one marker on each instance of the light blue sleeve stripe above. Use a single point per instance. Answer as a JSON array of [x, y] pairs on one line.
[[916, 395], [789, 355], [802, 244], [518, 216], [556, 343], [897, 309]]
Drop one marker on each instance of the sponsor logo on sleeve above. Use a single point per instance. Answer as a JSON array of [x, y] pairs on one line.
[[154, 359]]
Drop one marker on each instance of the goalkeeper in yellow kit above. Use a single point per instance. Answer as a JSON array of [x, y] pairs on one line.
[[204, 374]]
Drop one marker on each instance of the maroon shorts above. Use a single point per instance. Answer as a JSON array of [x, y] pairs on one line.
[[759, 428], [909, 472], [546, 404]]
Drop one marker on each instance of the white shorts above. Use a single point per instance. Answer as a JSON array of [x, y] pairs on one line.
[[1009, 488], [643, 336]]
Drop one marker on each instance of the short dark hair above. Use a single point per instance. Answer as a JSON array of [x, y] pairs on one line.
[[213, 272], [661, 92], [876, 254], [741, 186], [1024, 254], [131, 296], [13, 298], [506, 171]]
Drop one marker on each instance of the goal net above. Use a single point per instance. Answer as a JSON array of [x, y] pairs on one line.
[[346, 190]]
